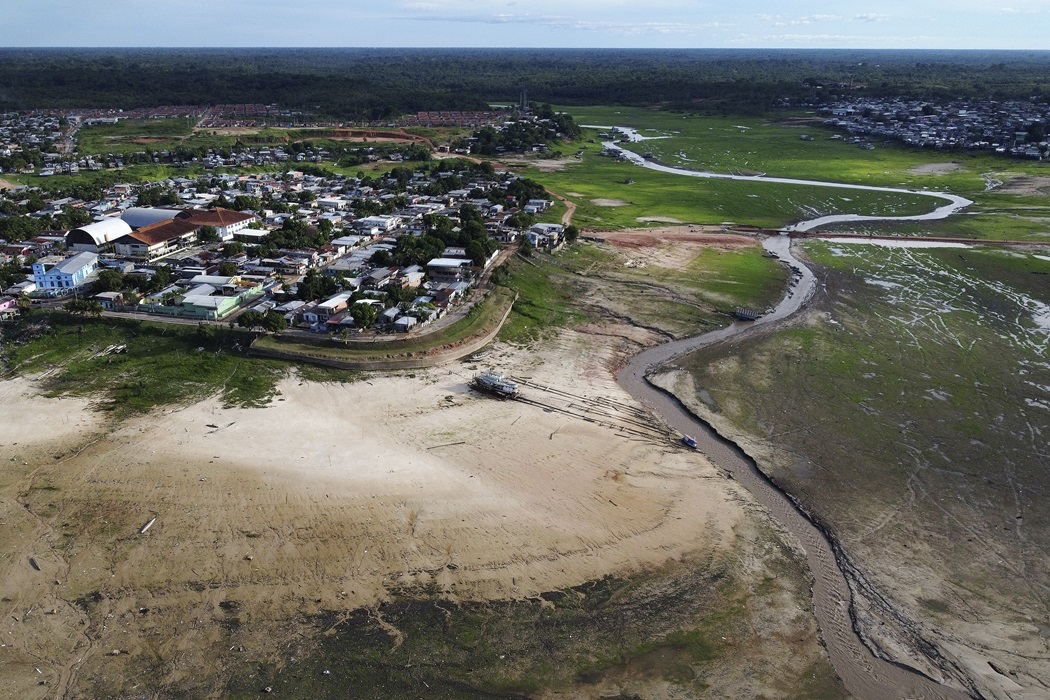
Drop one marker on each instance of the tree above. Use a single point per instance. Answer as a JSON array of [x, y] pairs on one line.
[[84, 307], [274, 322], [477, 253], [156, 196], [315, 285], [232, 248], [109, 281], [571, 233], [250, 319], [25, 304], [520, 220], [364, 315], [227, 269], [207, 234]]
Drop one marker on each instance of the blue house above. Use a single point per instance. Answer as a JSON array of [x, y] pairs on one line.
[[56, 275]]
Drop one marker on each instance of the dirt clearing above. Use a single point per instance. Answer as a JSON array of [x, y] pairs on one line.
[[1026, 185], [672, 247], [935, 168]]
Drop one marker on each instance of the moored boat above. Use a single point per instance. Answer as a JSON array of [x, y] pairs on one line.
[[495, 384]]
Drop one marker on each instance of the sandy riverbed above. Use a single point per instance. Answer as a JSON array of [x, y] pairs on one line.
[[329, 499]]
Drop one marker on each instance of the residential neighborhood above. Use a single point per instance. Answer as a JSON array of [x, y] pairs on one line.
[[323, 254], [1013, 128]]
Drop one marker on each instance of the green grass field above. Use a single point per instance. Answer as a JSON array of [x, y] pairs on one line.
[[773, 146], [604, 199], [130, 135]]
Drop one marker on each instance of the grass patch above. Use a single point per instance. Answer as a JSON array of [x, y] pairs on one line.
[[319, 374], [978, 223], [507, 649], [130, 135], [544, 301], [164, 364]]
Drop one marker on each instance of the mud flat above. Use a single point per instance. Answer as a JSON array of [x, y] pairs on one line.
[[263, 522], [925, 457]]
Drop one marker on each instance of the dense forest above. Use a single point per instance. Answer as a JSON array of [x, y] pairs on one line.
[[383, 83]]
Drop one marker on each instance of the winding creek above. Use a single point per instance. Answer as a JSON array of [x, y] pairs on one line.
[[864, 675]]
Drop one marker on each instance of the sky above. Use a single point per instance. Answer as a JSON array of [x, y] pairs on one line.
[[868, 24]]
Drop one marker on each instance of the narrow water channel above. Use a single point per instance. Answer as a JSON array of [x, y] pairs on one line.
[[864, 675]]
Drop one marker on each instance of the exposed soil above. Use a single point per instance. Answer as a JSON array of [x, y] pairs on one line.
[[543, 164], [1026, 186], [601, 202], [6, 184], [660, 219], [672, 247], [260, 522], [935, 168]]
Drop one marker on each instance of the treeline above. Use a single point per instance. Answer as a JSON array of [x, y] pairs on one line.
[[385, 83]]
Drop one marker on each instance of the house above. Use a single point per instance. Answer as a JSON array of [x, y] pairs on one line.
[[383, 223], [545, 235], [109, 300], [8, 306], [404, 324], [379, 277], [448, 269], [55, 274]]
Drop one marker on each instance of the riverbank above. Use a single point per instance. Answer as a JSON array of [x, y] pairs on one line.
[[863, 674], [345, 500]]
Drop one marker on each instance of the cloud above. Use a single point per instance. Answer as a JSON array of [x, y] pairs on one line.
[[871, 17], [623, 28], [780, 21]]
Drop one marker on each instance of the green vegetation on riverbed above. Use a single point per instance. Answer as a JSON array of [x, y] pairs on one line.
[[610, 194], [685, 626], [774, 146], [163, 364], [594, 281], [544, 301], [908, 413]]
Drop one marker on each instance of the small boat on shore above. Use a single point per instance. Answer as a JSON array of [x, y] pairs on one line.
[[689, 441], [495, 384]]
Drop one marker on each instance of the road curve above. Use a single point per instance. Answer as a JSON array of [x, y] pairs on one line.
[[864, 675]]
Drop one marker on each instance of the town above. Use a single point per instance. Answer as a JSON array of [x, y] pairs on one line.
[[321, 253], [1012, 128], [267, 237]]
